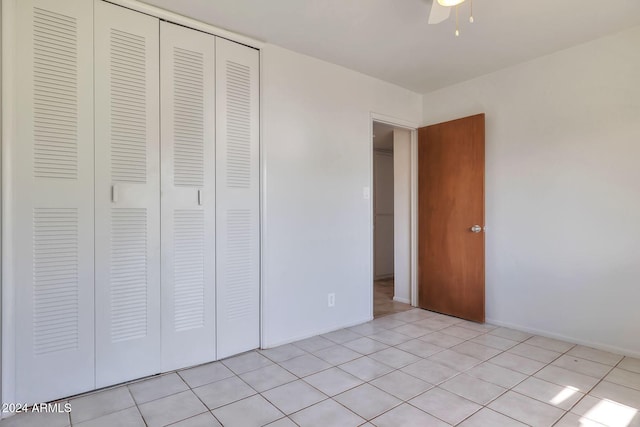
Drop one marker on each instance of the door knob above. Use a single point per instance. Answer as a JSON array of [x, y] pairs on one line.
[[476, 229]]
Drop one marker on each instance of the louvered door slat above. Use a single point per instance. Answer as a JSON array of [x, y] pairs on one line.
[[237, 196], [127, 195], [188, 196], [49, 205]]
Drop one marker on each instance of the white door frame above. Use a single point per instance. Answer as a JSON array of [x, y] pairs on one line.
[[413, 128]]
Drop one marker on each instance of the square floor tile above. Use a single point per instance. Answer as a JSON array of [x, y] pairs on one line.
[[205, 374], [390, 337], [420, 348], [473, 389], [282, 422], [432, 324], [488, 418], [496, 375], [567, 378], [447, 406], [268, 377], [101, 403], [573, 420], [517, 363], [333, 381], [223, 392], [441, 340], [394, 357], [526, 409], [617, 393], [155, 388], [365, 329], [292, 397], [536, 353], [365, 345], [630, 364], [550, 344], [246, 362], [126, 418], [429, 371], [366, 368], [171, 409], [305, 365], [401, 385], [202, 420], [337, 354], [411, 330], [445, 319], [314, 344], [495, 341], [475, 326], [328, 413], [479, 351], [37, 419], [283, 352], [582, 366], [411, 315], [249, 412], [625, 378], [552, 394], [606, 412], [367, 401], [455, 360], [407, 416], [387, 322], [341, 336], [595, 355], [511, 334], [460, 332]]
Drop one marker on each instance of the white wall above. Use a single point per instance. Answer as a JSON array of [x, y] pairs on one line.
[[402, 214], [562, 190], [383, 253], [317, 157]]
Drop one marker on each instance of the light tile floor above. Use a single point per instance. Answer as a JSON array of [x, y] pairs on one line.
[[414, 368]]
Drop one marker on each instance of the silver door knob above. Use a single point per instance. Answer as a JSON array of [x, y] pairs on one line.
[[476, 229]]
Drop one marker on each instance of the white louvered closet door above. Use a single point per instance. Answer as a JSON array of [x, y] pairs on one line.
[[187, 88], [49, 200], [238, 198], [127, 194]]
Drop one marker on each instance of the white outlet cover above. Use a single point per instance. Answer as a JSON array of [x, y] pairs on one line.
[[366, 193]]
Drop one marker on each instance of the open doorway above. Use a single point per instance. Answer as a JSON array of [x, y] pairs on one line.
[[392, 217]]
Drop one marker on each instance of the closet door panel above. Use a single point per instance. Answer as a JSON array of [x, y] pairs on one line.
[[238, 198], [187, 75], [49, 196], [127, 194]]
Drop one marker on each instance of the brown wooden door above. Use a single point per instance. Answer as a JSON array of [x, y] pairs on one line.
[[450, 203]]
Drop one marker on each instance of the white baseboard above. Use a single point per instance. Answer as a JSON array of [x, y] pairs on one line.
[[312, 334], [404, 300], [573, 340]]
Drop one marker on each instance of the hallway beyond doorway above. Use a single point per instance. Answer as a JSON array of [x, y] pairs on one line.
[[383, 302]]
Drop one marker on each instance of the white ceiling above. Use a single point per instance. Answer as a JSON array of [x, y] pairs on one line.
[[390, 39]]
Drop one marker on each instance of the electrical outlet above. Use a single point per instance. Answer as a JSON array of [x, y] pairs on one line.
[[366, 193], [331, 300]]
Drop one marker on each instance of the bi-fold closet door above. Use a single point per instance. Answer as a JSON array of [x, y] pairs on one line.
[[127, 194], [187, 71], [132, 198], [48, 219]]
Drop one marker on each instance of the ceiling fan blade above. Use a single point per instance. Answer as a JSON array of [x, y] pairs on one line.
[[438, 12]]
